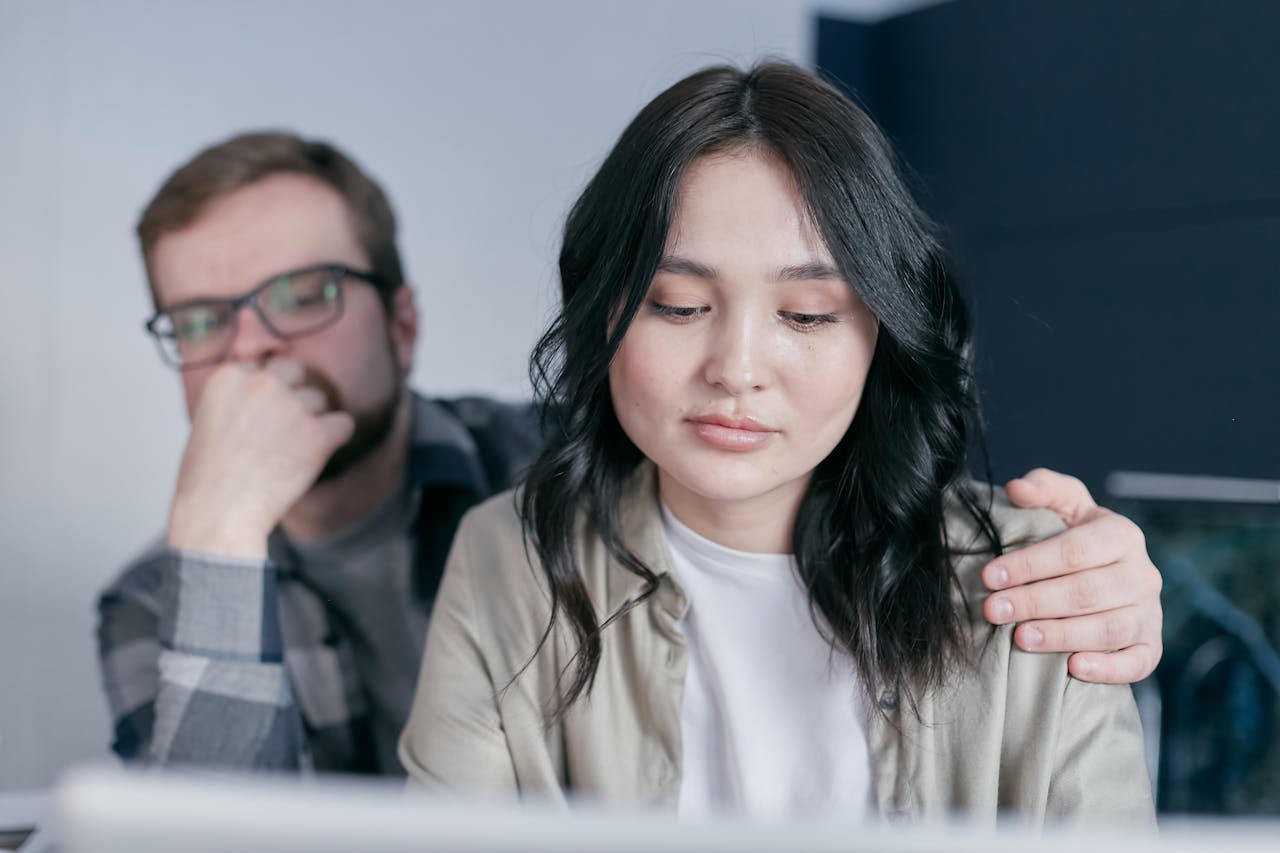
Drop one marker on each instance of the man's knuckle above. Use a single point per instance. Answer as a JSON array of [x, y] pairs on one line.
[[1135, 627], [1085, 594], [222, 376], [1155, 581], [1117, 631], [1025, 607], [1074, 552], [1129, 531]]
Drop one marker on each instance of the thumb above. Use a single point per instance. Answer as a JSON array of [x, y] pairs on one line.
[[1044, 489]]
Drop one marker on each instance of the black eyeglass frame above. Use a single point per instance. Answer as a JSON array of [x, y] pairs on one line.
[[338, 272]]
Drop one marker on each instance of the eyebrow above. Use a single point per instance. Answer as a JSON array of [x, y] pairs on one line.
[[810, 271], [677, 265]]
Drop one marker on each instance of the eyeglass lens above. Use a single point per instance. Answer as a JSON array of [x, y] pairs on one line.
[[290, 305]]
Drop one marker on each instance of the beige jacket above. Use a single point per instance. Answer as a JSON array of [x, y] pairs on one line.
[[1015, 735]]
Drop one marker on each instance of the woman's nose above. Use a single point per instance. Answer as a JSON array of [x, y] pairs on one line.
[[738, 354]]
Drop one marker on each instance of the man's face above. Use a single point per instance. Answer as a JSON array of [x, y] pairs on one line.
[[283, 223]]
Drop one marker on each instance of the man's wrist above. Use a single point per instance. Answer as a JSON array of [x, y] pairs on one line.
[[216, 533]]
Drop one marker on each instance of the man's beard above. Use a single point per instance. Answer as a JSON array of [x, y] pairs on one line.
[[372, 426]]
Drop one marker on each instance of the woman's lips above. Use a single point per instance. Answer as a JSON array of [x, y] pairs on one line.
[[731, 433]]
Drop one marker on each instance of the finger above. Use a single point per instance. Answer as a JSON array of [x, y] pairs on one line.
[[1079, 594], [1041, 488], [312, 399], [289, 371], [1096, 632], [338, 426], [224, 381], [1103, 541], [1123, 667]]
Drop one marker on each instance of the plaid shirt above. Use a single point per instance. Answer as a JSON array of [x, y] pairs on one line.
[[240, 663]]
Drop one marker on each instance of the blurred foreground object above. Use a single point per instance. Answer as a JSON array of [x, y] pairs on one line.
[[114, 811]]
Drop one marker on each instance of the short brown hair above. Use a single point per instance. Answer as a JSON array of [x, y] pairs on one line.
[[228, 166]]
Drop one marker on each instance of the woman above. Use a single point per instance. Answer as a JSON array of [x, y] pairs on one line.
[[743, 573]]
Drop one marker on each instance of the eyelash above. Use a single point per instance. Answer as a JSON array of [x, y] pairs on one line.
[[687, 313], [678, 313], [807, 322]]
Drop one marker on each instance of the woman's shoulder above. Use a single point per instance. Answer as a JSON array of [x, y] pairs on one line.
[[1016, 527], [492, 548], [490, 534], [1077, 746], [492, 567], [499, 515], [969, 539]]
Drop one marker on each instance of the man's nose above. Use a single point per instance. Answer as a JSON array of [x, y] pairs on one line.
[[738, 354], [254, 342]]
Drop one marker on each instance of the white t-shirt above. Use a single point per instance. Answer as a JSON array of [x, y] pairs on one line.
[[773, 720]]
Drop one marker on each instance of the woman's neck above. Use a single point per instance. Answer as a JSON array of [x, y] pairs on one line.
[[761, 524]]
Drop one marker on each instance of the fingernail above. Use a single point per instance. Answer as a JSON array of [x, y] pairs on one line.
[[1002, 610], [1084, 667], [1032, 637], [999, 576]]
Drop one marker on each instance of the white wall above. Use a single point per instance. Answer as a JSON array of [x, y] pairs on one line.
[[481, 120]]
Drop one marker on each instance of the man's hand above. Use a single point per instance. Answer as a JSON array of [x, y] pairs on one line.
[[259, 438], [1091, 589]]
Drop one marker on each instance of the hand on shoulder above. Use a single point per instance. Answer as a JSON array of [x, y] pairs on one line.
[[1091, 589]]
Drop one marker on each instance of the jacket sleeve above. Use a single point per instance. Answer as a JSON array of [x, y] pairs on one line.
[[454, 739], [192, 664], [1101, 769], [1093, 751]]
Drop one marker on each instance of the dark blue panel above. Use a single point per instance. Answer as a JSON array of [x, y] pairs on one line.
[[1059, 110], [1151, 351], [1096, 107], [846, 58], [1109, 176]]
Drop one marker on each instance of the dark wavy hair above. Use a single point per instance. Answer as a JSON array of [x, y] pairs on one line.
[[869, 539]]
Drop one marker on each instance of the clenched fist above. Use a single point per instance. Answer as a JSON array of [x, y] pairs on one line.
[[259, 437]]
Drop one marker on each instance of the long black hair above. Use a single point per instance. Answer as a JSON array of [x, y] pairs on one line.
[[869, 538]]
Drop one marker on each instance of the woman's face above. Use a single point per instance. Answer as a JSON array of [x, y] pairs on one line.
[[743, 368]]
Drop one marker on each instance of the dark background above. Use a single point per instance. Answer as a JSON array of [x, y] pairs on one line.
[[1109, 177]]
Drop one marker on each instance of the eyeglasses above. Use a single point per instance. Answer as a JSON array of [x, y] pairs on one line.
[[290, 305]]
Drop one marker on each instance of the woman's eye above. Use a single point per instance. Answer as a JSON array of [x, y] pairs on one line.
[[677, 312], [807, 321]]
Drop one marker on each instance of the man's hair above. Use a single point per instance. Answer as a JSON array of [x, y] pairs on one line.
[[220, 170]]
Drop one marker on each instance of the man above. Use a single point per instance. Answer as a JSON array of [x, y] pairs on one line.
[[280, 622]]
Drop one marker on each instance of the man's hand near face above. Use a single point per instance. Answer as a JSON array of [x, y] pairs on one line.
[[259, 438], [1092, 589]]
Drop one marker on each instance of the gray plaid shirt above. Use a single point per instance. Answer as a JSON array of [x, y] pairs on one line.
[[307, 659]]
